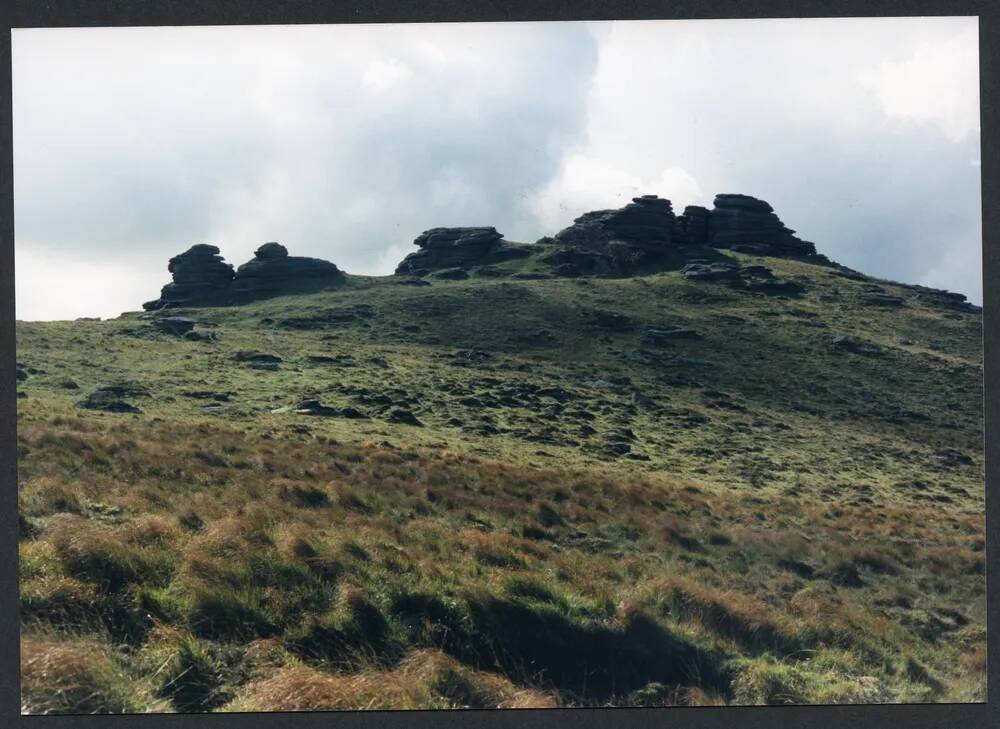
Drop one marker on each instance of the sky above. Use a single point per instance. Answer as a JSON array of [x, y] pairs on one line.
[[346, 142]]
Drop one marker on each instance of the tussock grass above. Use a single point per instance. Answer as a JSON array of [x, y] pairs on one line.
[[797, 533]]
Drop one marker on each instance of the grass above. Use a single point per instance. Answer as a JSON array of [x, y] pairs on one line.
[[581, 519]]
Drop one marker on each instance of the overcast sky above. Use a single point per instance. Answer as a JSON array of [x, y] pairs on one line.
[[345, 142]]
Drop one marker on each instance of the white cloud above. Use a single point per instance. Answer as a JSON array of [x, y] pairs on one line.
[[795, 112], [932, 85], [384, 74], [590, 184], [52, 286], [345, 142]]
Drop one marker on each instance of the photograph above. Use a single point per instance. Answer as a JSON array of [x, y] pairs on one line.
[[499, 365]]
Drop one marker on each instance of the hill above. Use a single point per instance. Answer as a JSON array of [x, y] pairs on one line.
[[654, 459]]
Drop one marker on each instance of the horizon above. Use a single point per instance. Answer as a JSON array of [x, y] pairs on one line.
[[345, 142]]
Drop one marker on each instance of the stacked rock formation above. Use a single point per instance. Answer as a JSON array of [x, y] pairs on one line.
[[620, 242], [272, 271], [199, 276], [746, 224], [447, 248], [647, 222], [692, 226]]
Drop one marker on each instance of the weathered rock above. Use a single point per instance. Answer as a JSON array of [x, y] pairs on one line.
[[256, 357], [844, 343], [208, 395], [880, 299], [108, 399], [655, 335], [647, 222], [711, 271], [406, 417], [451, 274], [741, 220], [692, 227], [458, 248], [199, 277], [273, 272], [176, 325]]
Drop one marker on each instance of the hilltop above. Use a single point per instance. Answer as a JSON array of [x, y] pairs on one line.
[[651, 459]]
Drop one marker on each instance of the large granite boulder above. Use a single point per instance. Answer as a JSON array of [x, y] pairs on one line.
[[746, 224], [273, 272], [200, 276], [458, 248]]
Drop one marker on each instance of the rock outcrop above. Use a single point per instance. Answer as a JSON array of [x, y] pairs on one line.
[[200, 276], [749, 225], [647, 232], [647, 222], [458, 248], [272, 272]]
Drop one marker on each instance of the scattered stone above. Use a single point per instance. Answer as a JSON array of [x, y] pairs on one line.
[[879, 299], [68, 385], [196, 336], [208, 395], [175, 325], [491, 272], [108, 400], [531, 276], [451, 274], [844, 343], [935, 345], [256, 357], [660, 336], [358, 314], [951, 458], [406, 417], [412, 282], [20, 374], [845, 575], [610, 320], [904, 341], [471, 356], [711, 272]]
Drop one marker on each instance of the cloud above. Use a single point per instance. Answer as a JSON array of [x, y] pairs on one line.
[[586, 184], [345, 142], [859, 132], [927, 87]]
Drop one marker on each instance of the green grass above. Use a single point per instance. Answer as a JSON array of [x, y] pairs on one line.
[[583, 517]]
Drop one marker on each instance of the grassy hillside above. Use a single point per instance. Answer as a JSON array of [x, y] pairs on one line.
[[511, 492]]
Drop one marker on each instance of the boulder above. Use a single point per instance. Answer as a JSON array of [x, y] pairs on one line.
[[711, 271], [176, 325], [272, 272], [110, 399], [200, 276], [881, 300], [844, 343]]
